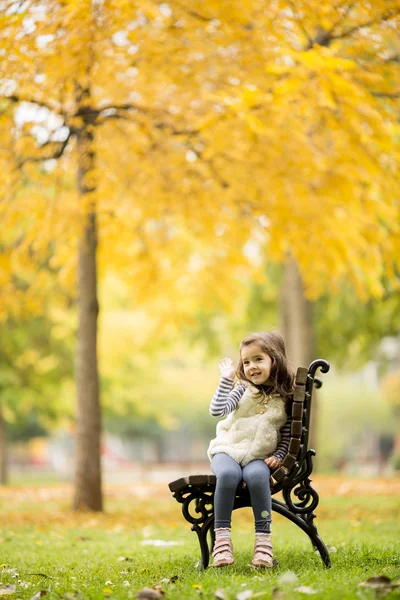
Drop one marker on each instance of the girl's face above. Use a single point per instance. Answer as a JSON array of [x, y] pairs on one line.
[[256, 364]]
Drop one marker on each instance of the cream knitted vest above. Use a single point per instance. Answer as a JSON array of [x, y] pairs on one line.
[[251, 431]]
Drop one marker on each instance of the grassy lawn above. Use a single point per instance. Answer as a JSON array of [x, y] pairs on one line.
[[44, 546]]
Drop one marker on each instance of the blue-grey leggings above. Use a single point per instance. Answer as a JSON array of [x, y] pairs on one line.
[[229, 474]]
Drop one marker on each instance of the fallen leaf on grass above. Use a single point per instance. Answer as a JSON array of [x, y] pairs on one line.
[[382, 585], [277, 594], [244, 595], [159, 543], [221, 594], [123, 558], [287, 578], [149, 594], [9, 588], [248, 594], [39, 595], [107, 591], [166, 580], [305, 589], [376, 582]]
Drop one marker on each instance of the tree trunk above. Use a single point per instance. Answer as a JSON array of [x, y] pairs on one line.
[[3, 450], [159, 446], [298, 328], [88, 493]]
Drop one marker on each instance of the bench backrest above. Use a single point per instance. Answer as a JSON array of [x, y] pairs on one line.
[[300, 410]]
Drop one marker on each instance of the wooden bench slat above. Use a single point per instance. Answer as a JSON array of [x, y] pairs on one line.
[[279, 474], [289, 460], [297, 410], [299, 393], [294, 446], [178, 484], [183, 482], [296, 429], [202, 479], [301, 375]]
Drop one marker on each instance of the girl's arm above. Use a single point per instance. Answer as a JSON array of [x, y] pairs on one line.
[[226, 398], [282, 447]]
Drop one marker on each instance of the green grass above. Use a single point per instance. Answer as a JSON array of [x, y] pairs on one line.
[[70, 555]]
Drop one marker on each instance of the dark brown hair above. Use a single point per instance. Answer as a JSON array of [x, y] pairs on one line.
[[281, 379]]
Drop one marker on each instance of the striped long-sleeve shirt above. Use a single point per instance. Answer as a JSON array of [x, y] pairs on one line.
[[226, 399]]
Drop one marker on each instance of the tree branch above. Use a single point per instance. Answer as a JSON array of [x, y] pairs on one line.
[[386, 17], [300, 24], [385, 95], [127, 108], [36, 159], [345, 14], [18, 99], [158, 125], [325, 37], [224, 184], [194, 14]]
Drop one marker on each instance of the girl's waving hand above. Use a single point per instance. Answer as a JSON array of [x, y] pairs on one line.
[[227, 368]]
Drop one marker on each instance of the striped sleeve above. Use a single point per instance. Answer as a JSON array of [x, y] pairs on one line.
[[226, 398], [282, 447]]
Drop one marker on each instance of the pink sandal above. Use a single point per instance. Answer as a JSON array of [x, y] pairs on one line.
[[263, 551], [222, 551]]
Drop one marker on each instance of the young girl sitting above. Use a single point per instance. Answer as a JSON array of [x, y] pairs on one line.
[[252, 440]]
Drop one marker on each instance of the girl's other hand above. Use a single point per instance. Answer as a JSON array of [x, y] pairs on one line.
[[272, 462], [227, 368]]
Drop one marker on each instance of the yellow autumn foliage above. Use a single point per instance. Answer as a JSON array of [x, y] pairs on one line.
[[223, 134]]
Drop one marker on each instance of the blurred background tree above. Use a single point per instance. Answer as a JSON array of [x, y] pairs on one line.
[[35, 361]]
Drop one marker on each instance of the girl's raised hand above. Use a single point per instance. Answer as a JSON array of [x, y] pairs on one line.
[[227, 368]]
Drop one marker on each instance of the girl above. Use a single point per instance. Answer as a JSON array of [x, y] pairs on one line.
[[252, 440]]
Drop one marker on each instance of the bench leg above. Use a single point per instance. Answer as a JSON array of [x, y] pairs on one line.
[[202, 536], [307, 526], [300, 501]]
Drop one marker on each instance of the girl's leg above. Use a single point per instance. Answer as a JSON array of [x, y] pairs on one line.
[[229, 474], [256, 475]]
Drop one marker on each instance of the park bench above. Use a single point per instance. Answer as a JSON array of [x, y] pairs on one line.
[[196, 492]]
